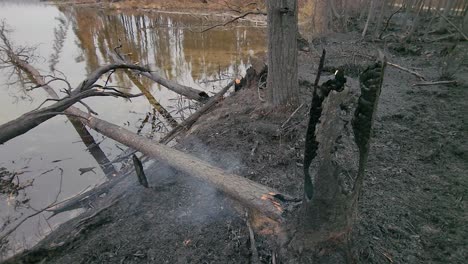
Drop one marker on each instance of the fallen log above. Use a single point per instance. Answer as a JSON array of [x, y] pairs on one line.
[[248, 193], [82, 199]]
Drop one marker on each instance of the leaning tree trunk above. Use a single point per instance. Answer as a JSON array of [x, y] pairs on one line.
[[282, 82], [340, 137]]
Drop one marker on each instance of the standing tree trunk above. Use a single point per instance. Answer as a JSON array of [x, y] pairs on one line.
[[282, 82]]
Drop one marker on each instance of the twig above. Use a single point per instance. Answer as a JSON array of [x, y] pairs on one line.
[[47, 83], [435, 83], [388, 21], [45, 101], [420, 76], [233, 20], [91, 111], [293, 113], [406, 70]]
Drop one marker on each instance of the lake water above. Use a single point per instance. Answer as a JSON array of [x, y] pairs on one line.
[[73, 42]]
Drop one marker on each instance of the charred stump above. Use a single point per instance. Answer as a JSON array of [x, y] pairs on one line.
[[338, 139], [140, 172]]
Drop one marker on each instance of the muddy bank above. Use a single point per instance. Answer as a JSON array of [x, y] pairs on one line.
[[413, 209]]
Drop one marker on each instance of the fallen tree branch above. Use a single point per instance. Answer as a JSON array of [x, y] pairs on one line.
[[34, 118], [420, 76], [291, 116], [186, 91], [184, 126], [39, 80], [435, 83], [247, 192]]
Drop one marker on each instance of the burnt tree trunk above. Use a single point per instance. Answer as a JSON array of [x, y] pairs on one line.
[[341, 127], [282, 82]]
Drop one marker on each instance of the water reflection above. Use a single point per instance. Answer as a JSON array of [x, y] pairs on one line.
[[168, 43], [75, 42]]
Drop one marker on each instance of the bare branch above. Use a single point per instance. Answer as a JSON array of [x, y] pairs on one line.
[[91, 111], [49, 82], [233, 20]]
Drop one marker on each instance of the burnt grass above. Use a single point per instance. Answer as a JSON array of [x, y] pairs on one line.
[[413, 208]]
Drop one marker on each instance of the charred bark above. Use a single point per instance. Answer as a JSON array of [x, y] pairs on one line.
[[139, 171], [340, 144]]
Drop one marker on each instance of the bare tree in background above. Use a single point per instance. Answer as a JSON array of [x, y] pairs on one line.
[[321, 17]]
